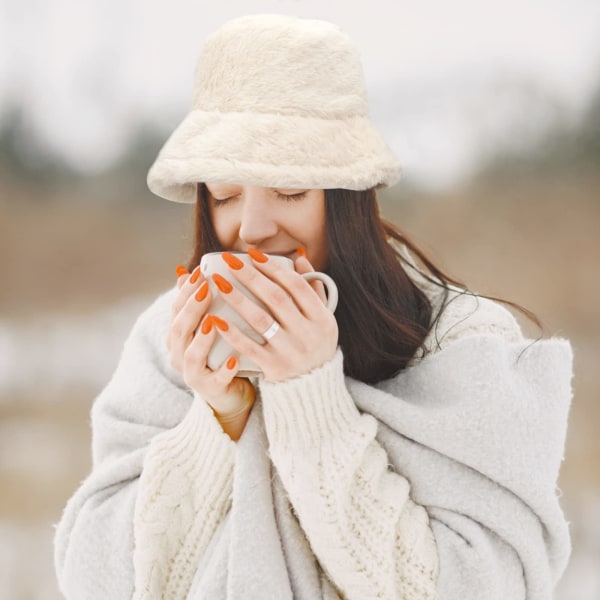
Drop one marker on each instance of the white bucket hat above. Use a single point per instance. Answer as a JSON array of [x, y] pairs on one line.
[[278, 102]]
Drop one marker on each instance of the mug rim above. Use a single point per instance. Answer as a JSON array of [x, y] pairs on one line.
[[219, 252]]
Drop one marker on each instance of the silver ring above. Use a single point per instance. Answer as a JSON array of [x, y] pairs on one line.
[[269, 333]]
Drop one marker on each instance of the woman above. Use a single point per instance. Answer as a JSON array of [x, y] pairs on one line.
[[406, 448]]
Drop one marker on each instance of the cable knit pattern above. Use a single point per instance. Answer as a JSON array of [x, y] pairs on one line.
[[184, 493], [367, 533]]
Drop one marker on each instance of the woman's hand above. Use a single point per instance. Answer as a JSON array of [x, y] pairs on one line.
[[308, 333], [191, 335]]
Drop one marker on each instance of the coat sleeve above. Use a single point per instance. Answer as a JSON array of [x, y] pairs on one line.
[[151, 440]]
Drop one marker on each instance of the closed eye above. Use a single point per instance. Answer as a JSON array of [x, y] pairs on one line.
[[223, 201], [279, 195], [290, 197]]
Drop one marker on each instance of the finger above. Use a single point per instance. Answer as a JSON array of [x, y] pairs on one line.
[[195, 354], [278, 301], [188, 287], [221, 378], [303, 265], [258, 318], [182, 275], [305, 297], [240, 342], [185, 323]]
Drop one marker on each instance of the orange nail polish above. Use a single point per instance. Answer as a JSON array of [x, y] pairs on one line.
[[233, 261], [222, 283], [195, 275], [219, 323], [206, 324], [257, 255], [202, 292], [231, 362], [301, 251], [181, 270]]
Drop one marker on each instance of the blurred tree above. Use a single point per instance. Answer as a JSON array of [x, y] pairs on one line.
[[589, 133], [125, 179], [26, 162], [564, 148], [23, 157]]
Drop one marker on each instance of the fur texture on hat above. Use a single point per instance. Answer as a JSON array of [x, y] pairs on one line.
[[278, 102]]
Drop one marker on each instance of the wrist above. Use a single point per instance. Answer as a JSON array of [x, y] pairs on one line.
[[233, 420], [232, 399], [226, 416]]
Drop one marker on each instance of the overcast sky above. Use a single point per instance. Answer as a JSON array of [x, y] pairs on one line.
[[441, 75]]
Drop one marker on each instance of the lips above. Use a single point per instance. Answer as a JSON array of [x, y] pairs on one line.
[[286, 253]]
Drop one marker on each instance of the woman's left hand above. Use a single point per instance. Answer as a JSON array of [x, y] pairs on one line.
[[308, 333]]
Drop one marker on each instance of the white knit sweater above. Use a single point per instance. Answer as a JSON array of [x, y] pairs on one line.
[[152, 514]]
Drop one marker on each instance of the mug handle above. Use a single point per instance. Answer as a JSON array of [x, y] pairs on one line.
[[332, 291]]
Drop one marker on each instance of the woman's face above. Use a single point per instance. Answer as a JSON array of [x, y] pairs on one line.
[[273, 220]]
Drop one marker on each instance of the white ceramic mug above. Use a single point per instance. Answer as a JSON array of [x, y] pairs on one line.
[[212, 263]]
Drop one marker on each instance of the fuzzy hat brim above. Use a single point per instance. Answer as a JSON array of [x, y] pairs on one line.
[[271, 150]]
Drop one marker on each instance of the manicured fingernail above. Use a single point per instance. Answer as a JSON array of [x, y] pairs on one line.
[[202, 292], [206, 324], [222, 283], [195, 275], [231, 362], [233, 261], [219, 323], [181, 270], [301, 251], [257, 255]]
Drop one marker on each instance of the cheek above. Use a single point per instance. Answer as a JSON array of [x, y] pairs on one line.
[[318, 237], [223, 226], [317, 234], [321, 257]]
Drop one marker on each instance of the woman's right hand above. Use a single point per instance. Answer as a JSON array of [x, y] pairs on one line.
[[191, 335]]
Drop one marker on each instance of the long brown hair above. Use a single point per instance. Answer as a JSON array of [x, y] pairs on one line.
[[383, 317]]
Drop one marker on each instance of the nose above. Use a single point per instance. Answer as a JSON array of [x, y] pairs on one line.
[[256, 220]]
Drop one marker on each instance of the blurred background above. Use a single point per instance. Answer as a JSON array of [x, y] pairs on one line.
[[493, 107]]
